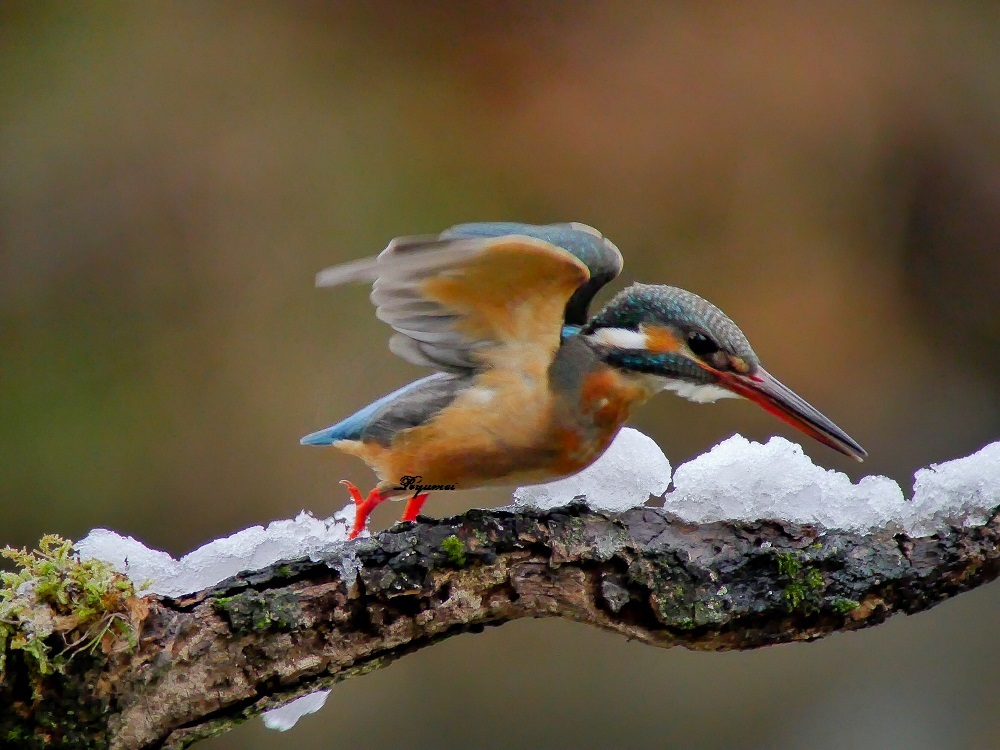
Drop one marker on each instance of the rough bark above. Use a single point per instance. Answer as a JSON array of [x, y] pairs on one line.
[[217, 657]]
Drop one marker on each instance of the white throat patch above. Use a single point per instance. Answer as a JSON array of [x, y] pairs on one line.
[[700, 394]]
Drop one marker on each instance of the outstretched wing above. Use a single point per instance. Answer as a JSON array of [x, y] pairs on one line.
[[599, 254], [467, 300]]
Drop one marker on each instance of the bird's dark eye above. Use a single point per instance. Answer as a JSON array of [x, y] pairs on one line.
[[701, 344]]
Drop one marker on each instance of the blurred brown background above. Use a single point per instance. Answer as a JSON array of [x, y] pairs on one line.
[[173, 174]]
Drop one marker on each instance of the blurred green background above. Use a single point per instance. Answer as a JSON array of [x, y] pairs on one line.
[[173, 174]]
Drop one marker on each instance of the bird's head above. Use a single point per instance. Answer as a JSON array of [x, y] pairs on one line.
[[686, 344]]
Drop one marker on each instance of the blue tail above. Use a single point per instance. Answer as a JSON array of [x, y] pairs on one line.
[[324, 437], [352, 427]]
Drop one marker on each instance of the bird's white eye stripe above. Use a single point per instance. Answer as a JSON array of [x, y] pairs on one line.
[[619, 338]]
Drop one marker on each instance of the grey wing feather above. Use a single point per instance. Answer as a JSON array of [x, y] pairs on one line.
[[398, 259], [423, 354], [425, 332], [414, 407]]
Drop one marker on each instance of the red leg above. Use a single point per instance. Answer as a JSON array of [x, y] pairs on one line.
[[413, 506], [362, 507]]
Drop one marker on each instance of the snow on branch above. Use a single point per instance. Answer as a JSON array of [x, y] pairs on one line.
[[212, 653]]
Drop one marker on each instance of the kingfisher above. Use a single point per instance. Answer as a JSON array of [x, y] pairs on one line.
[[528, 386]]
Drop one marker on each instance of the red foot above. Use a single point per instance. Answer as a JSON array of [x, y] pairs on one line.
[[413, 506], [362, 507]]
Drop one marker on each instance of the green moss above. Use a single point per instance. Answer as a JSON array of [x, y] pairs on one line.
[[259, 612], [454, 548], [788, 564], [804, 586], [709, 611], [795, 595], [18, 734], [681, 604], [53, 607], [481, 537], [283, 571], [843, 606], [813, 578], [686, 610]]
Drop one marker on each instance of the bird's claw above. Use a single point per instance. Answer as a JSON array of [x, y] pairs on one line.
[[413, 506], [363, 507]]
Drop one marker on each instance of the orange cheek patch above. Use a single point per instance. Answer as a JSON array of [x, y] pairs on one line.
[[660, 339]]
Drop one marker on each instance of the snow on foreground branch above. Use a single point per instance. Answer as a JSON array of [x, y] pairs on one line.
[[738, 481]]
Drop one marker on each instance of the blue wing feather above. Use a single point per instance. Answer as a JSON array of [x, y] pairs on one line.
[[586, 244], [407, 407], [355, 425]]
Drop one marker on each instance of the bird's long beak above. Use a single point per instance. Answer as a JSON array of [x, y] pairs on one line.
[[764, 389]]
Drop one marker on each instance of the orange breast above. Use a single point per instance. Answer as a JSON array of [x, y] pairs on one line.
[[605, 403], [607, 398]]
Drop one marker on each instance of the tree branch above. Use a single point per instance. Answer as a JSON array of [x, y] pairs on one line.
[[211, 659]]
